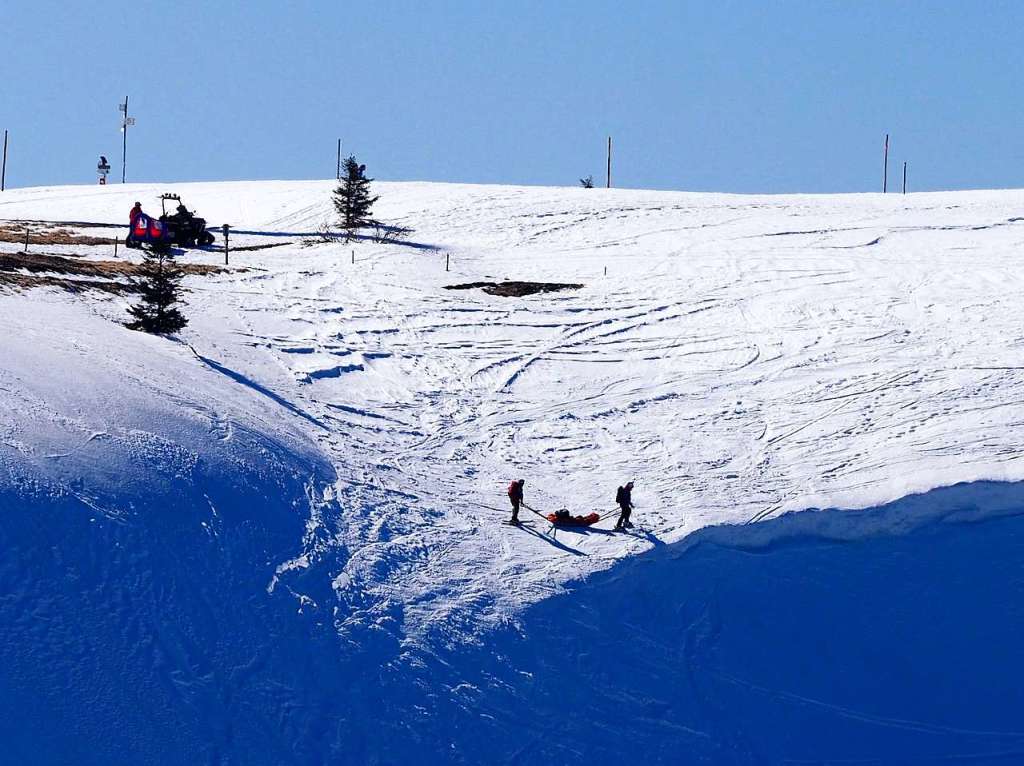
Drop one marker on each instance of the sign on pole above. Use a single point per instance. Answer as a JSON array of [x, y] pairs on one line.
[[103, 168]]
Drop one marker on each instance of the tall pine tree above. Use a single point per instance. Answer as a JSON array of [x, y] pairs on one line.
[[159, 283], [352, 198]]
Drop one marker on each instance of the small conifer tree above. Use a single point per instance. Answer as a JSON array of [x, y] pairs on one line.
[[587, 183], [352, 198], [159, 283]]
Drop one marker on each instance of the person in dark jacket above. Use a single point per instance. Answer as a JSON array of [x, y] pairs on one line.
[[181, 215], [624, 497], [136, 212], [515, 496]]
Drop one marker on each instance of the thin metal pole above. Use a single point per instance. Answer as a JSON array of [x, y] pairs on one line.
[[447, 259], [124, 139], [339, 160], [904, 177], [885, 166], [3, 171], [608, 180]]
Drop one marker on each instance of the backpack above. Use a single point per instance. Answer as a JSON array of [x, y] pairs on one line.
[[619, 495]]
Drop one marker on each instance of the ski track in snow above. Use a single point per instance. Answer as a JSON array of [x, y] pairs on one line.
[[743, 357]]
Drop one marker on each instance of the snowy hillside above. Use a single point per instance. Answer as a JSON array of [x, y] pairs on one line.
[[326, 446]]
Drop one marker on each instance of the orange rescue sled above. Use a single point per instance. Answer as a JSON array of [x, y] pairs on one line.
[[574, 521]]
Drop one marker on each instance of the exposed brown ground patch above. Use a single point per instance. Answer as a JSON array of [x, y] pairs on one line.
[[37, 262], [25, 281], [48, 234], [513, 289], [52, 270]]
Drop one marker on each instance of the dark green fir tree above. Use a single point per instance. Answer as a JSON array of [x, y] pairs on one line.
[[352, 198], [158, 282]]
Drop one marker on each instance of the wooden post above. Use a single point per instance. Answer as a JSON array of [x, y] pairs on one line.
[[124, 139], [606, 271], [608, 178], [447, 259], [353, 257], [115, 246], [226, 229], [904, 177], [3, 170], [26, 239], [885, 166]]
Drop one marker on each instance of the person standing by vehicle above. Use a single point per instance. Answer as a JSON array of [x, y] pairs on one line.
[[624, 497], [136, 212], [515, 496]]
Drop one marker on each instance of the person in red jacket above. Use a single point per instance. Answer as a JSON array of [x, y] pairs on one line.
[[515, 496], [136, 212]]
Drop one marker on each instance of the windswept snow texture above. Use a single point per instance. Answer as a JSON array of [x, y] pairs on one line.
[[274, 539]]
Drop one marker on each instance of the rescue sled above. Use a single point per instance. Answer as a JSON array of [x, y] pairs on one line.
[[567, 520]]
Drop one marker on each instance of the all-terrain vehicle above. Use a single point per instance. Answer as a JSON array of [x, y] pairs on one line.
[[181, 228], [185, 228]]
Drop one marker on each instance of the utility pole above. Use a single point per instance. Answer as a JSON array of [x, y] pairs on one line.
[[904, 177], [3, 169], [338, 176], [885, 166], [126, 122], [608, 178]]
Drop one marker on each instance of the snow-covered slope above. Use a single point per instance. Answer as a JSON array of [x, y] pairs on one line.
[[335, 429], [743, 356]]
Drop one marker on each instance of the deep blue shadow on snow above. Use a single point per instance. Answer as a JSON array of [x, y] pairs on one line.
[[887, 636]]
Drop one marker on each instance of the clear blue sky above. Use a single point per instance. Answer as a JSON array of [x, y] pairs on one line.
[[753, 96]]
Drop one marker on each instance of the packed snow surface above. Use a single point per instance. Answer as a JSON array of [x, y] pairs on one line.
[[737, 356]]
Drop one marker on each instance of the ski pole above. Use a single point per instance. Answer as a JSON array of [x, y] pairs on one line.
[[491, 508]]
